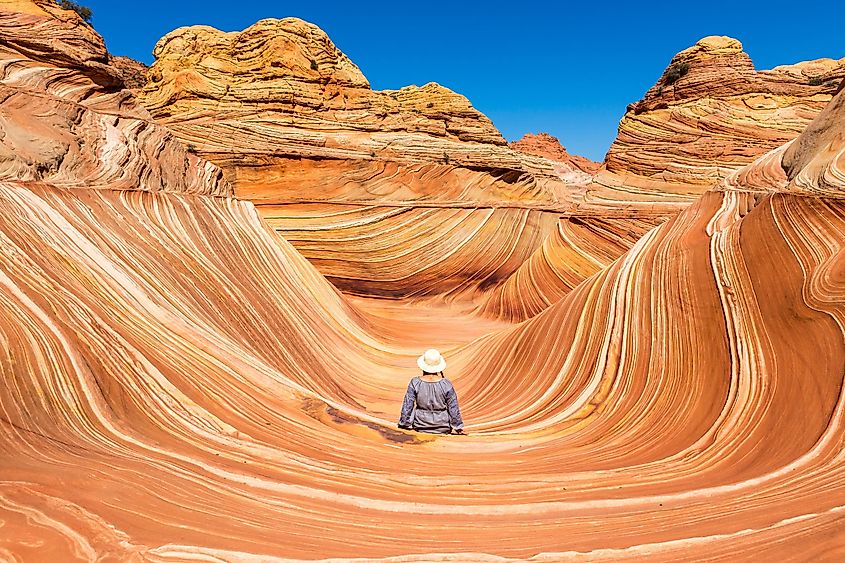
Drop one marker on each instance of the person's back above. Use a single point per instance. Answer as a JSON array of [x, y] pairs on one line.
[[431, 403]]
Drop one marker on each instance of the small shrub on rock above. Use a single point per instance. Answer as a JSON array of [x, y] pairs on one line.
[[84, 12], [675, 73]]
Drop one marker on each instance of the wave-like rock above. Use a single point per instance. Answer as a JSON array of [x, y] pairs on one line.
[[294, 123], [399, 252], [708, 115], [179, 383], [145, 414], [580, 247]]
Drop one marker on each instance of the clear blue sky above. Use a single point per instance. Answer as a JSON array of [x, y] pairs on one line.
[[568, 68]]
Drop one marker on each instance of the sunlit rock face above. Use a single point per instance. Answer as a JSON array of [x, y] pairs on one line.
[[179, 383], [547, 146], [281, 91], [67, 119], [145, 416], [709, 114], [298, 131], [279, 98]]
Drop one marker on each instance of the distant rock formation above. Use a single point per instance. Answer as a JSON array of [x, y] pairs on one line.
[[709, 114], [291, 118], [339, 168], [132, 73], [547, 146]]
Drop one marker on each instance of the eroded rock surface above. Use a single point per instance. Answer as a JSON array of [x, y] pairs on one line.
[[709, 114], [581, 246], [547, 146], [179, 383], [68, 119], [298, 131], [281, 91]]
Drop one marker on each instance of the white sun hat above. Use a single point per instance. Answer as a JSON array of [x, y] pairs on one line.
[[431, 361]]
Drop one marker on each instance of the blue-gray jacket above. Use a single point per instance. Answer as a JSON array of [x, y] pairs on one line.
[[431, 407]]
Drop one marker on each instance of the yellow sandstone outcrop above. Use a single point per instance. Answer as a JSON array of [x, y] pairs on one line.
[[281, 91], [709, 114], [345, 172]]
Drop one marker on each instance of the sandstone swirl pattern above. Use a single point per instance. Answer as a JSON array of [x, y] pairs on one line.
[[580, 247], [180, 384], [298, 131]]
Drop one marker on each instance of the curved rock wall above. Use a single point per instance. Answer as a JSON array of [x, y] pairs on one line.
[[179, 383], [291, 120], [68, 120], [138, 398], [580, 247]]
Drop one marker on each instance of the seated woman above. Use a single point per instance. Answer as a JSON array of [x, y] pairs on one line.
[[431, 404]]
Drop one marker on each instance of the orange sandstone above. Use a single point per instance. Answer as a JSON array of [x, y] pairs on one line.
[[180, 383], [708, 115]]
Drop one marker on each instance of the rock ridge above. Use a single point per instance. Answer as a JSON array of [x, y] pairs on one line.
[[281, 97], [708, 115], [548, 146]]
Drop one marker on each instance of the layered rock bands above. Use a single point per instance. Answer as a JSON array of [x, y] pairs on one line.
[[179, 383]]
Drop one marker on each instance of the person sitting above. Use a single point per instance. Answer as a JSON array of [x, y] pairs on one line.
[[431, 403]]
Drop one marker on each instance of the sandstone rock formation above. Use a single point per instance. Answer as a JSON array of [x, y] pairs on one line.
[[179, 383], [547, 146], [298, 131], [67, 120], [280, 91], [580, 247], [709, 114]]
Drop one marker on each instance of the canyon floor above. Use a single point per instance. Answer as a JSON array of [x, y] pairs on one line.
[[216, 275]]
